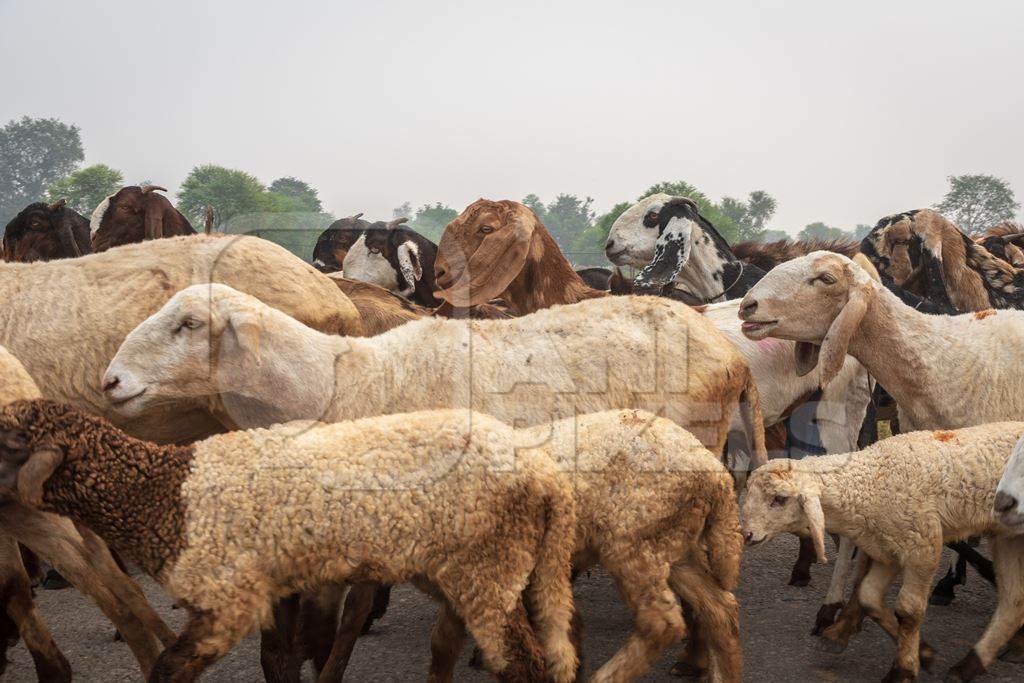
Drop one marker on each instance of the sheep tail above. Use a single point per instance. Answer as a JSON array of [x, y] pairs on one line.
[[753, 421], [549, 593], [721, 536]]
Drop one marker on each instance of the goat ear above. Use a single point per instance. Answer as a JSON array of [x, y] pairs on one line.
[[671, 253], [245, 325], [409, 262], [811, 505], [842, 329], [154, 207], [806, 355], [32, 475]]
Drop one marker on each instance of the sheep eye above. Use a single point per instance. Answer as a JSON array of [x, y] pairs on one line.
[[486, 229], [188, 324], [779, 501]]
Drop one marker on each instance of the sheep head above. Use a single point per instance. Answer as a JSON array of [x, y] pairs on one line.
[[782, 500], [818, 301], [1009, 501], [483, 250]]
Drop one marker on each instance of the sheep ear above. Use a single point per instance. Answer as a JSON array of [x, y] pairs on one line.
[[842, 329], [811, 505], [806, 355], [245, 325], [32, 476]]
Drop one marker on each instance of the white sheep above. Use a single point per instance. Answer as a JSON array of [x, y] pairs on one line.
[[65, 319], [900, 500], [1009, 502], [233, 523], [615, 352]]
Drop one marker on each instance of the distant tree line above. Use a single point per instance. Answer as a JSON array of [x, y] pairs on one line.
[[41, 159]]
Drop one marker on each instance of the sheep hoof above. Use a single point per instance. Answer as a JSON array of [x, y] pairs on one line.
[[687, 670], [476, 660], [831, 646], [926, 656], [967, 669], [826, 617], [898, 674]]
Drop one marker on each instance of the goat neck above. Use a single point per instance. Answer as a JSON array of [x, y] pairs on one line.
[[547, 279]]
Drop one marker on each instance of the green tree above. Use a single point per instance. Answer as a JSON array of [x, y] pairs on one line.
[[404, 210], [978, 202], [34, 153], [229, 191], [861, 231], [533, 202], [727, 227], [430, 221], [820, 231], [774, 235], [86, 188], [589, 246], [299, 190], [761, 207], [568, 217]]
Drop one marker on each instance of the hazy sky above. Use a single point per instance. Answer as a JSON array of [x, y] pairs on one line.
[[843, 111]]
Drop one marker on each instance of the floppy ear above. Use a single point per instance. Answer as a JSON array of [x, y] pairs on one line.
[[671, 253], [245, 325], [409, 261], [154, 207], [806, 355], [32, 475], [816, 521], [842, 329]]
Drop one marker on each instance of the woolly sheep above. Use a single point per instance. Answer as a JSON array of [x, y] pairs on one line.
[[1009, 502], [441, 495], [899, 501], [64, 319], [614, 352]]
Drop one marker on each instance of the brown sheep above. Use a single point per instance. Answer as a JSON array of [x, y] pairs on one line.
[[500, 249], [134, 214]]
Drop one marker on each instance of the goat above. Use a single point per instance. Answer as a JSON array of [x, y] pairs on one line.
[[333, 244], [44, 232], [133, 214], [596, 278], [396, 258]]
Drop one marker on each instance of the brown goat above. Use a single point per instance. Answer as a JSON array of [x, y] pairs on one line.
[[767, 255], [44, 232], [133, 214], [500, 249], [380, 309]]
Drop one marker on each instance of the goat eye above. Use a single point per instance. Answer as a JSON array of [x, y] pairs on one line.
[[779, 501], [188, 324], [374, 250], [828, 279], [486, 229]]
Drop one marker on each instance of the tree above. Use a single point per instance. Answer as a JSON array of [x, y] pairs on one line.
[[820, 231], [86, 188], [229, 191], [726, 227], [978, 202], [589, 246], [533, 202], [567, 217], [430, 221], [34, 153], [404, 210], [774, 235], [761, 207], [861, 231], [300, 190]]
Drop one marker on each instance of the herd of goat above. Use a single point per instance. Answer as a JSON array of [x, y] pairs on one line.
[[276, 444]]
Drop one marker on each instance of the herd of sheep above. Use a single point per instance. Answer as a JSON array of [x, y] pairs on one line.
[[277, 443]]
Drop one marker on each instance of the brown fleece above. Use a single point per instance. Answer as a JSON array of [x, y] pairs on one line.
[[126, 490]]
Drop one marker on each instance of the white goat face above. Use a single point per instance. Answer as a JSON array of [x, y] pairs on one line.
[[630, 242], [1009, 503], [370, 265], [186, 352]]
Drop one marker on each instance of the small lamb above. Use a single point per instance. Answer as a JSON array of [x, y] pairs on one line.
[[231, 524], [900, 500]]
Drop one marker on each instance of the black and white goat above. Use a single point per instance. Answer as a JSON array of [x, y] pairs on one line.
[[334, 242]]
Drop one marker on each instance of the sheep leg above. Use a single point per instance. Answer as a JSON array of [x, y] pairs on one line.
[[694, 660], [16, 592], [318, 621], [716, 616], [1008, 557], [658, 621], [836, 588], [204, 640], [381, 600], [801, 574], [358, 605], [510, 648], [836, 637], [446, 641], [281, 655], [1014, 651], [124, 586], [911, 603]]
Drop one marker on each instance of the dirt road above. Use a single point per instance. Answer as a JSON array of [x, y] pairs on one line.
[[776, 620]]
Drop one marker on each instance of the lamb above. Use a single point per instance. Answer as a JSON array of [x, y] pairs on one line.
[[500, 249], [43, 232], [64, 319], [659, 513], [80, 554], [531, 370], [900, 500], [185, 514], [133, 214]]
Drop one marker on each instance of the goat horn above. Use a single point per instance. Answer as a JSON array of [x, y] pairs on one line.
[[59, 204], [358, 215], [398, 221], [146, 189]]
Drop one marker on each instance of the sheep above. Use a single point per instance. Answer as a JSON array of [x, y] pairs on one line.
[[396, 258], [659, 513], [440, 496], [500, 249], [926, 254], [900, 500], [654, 354], [1009, 501], [333, 244], [80, 554], [64, 319], [379, 308], [133, 214], [43, 232]]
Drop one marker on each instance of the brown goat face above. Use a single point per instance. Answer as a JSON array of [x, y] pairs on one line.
[[482, 251]]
